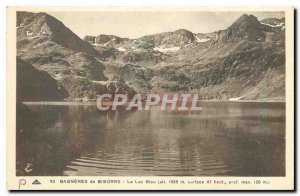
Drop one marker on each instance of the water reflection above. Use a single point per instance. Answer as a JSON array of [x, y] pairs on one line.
[[231, 139]]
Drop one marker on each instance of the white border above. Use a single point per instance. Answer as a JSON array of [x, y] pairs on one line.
[[4, 3]]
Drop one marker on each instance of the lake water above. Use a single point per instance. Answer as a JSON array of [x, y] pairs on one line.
[[224, 139]]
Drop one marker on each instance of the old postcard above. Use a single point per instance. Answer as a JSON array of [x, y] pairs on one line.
[[150, 98]]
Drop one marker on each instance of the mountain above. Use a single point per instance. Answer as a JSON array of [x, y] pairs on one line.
[[104, 40], [246, 27], [244, 61], [275, 28], [224, 64], [35, 85], [49, 46], [274, 22]]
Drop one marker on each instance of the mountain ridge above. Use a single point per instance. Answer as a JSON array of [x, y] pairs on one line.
[[224, 64]]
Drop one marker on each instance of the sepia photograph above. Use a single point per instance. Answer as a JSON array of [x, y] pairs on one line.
[[151, 93]]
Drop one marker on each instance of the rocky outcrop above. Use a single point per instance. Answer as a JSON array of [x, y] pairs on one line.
[[177, 38], [273, 22], [235, 63], [104, 40]]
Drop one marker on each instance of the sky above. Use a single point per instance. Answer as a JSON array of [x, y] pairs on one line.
[[135, 24]]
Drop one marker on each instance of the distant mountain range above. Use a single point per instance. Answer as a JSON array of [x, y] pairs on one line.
[[244, 61]]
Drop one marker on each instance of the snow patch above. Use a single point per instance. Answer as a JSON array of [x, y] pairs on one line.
[[103, 83], [202, 40], [121, 49], [28, 33], [85, 99], [28, 168], [57, 76], [277, 25], [21, 25], [105, 44], [37, 45], [166, 49]]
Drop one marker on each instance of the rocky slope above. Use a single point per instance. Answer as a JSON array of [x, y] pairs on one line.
[[240, 62]]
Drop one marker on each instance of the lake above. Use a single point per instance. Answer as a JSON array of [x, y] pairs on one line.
[[224, 139]]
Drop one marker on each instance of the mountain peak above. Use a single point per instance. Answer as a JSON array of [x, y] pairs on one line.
[[25, 18], [273, 22], [182, 31], [245, 27], [243, 17], [246, 19]]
